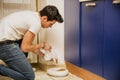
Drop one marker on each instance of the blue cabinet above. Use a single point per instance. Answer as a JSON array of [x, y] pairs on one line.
[[92, 36], [111, 41], [71, 21], [100, 38], [95, 44]]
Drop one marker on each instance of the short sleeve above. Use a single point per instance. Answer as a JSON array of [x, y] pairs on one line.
[[35, 28], [34, 25]]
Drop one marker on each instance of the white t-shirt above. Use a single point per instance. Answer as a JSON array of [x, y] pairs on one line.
[[14, 26]]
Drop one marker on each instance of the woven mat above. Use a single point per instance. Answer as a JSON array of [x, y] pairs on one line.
[[41, 75], [5, 78]]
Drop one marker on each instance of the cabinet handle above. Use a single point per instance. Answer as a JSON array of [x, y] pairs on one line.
[[91, 4]]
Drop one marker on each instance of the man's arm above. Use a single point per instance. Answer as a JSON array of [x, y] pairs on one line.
[[27, 45]]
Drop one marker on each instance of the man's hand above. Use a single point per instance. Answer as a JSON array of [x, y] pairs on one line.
[[45, 46], [37, 51]]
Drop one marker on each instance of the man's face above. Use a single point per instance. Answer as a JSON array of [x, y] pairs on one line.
[[48, 24], [45, 23]]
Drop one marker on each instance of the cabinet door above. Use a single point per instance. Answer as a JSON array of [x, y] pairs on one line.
[[112, 41], [72, 31], [92, 36]]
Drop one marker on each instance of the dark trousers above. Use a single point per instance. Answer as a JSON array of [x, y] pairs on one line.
[[20, 42]]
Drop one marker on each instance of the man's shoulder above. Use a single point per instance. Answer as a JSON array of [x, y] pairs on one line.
[[22, 14]]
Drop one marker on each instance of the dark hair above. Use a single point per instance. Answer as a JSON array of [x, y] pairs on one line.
[[52, 13]]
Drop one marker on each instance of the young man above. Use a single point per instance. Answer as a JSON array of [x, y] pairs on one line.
[[23, 26]]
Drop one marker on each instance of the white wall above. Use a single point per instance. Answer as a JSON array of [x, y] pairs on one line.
[[55, 35], [10, 6]]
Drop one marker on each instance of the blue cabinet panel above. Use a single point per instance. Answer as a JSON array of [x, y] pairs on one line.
[[72, 53], [92, 37], [100, 39], [112, 41], [97, 38]]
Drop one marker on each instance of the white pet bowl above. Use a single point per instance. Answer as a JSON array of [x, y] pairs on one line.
[[58, 72]]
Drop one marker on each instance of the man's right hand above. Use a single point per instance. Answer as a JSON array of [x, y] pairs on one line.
[[45, 46], [37, 51]]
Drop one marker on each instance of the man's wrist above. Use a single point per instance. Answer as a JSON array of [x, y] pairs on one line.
[[43, 45]]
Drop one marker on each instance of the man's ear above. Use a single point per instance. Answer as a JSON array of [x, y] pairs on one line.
[[44, 18]]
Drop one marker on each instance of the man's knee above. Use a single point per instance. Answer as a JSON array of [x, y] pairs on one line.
[[31, 76]]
